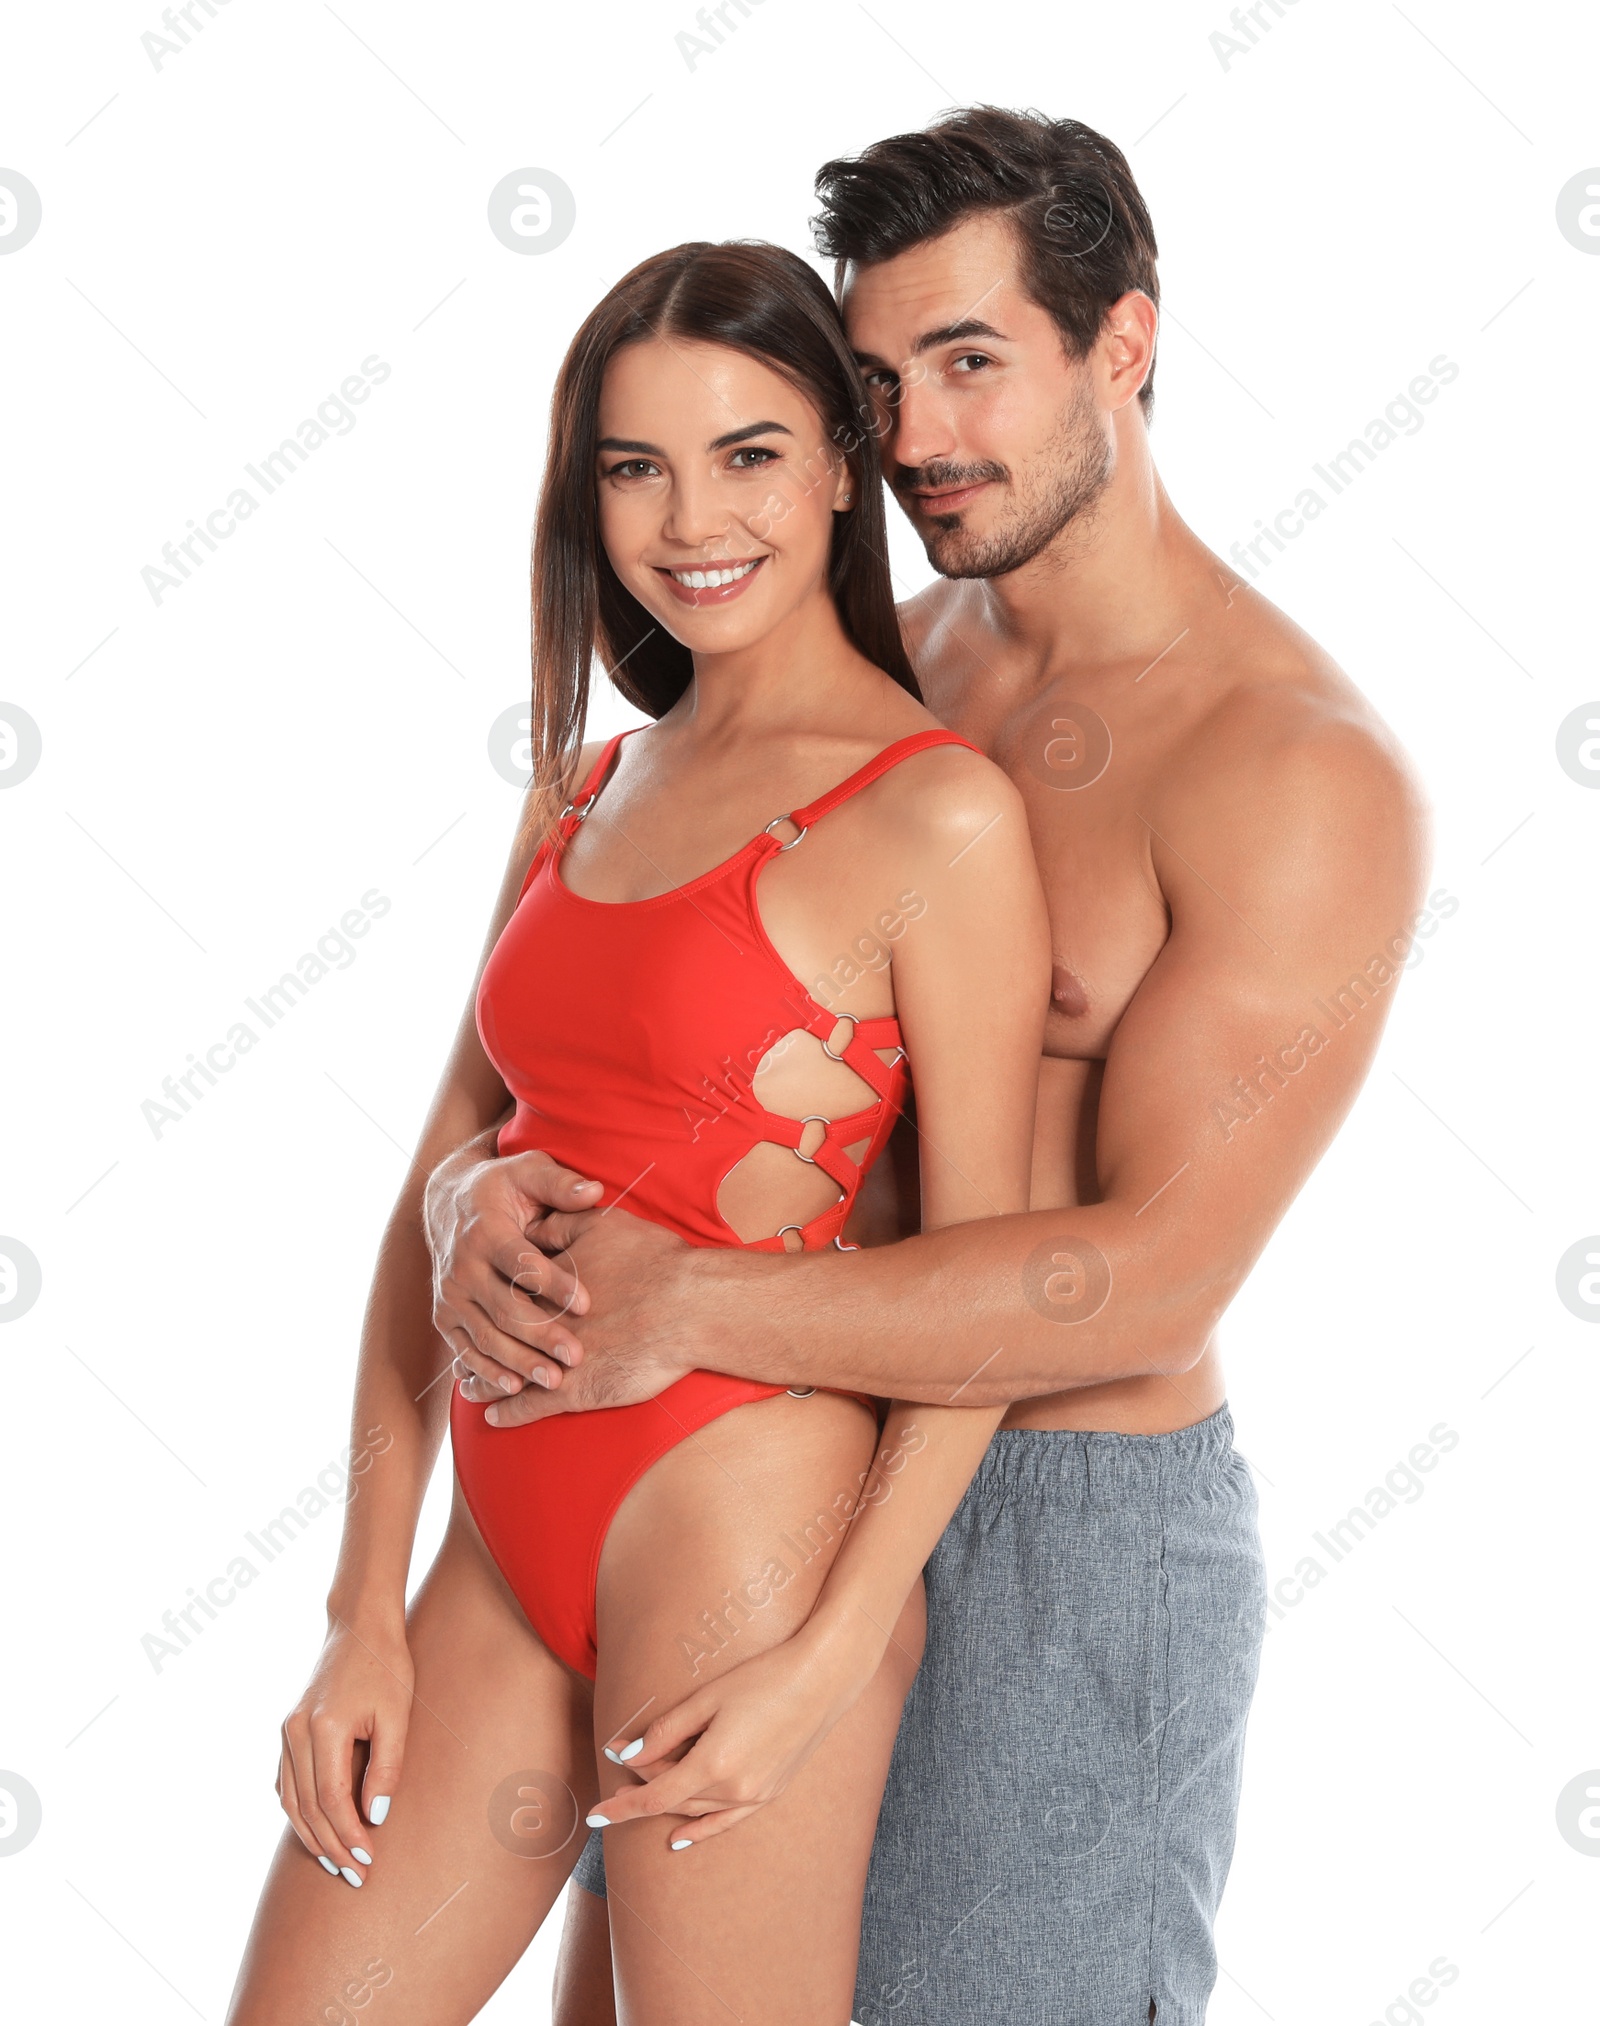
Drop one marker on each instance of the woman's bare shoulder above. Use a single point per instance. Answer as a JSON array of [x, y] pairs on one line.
[[943, 798]]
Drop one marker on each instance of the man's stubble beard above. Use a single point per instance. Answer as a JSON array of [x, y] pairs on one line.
[[1075, 468]]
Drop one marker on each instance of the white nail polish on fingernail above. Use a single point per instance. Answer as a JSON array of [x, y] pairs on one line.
[[351, 1877], [361, 1856], [328, 1865], [598, 1821], [612, 1756], [378, 1813], [686, 1844], [630, 1751]]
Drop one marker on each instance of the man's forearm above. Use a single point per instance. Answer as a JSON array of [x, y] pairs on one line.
[[1004, 1309]]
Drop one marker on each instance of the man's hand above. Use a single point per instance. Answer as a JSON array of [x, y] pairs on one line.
[[637, 1339], [497, 1298]]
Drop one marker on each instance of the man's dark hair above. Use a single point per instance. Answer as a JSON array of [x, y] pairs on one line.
[[1067, 192]]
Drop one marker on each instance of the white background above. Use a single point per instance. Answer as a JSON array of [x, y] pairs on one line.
[[227, 771]]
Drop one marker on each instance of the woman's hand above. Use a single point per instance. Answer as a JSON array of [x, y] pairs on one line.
[[753, 1729], [361, 1689]]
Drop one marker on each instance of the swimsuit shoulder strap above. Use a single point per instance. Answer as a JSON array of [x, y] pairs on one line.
[[596, 777], [878, 765], [577, 808]]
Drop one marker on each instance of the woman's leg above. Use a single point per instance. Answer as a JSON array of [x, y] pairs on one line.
[[764, 1921], [486, 1824]]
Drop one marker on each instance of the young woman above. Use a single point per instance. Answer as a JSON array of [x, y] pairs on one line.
[[711, 524]]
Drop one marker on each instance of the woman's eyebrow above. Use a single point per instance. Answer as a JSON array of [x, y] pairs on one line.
[[750, 429], [722, 442]]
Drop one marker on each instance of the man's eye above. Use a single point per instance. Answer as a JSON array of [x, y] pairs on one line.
[[755, 451], [971, 360]]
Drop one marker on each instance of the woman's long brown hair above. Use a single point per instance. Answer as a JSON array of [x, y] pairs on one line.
[[755, 298]]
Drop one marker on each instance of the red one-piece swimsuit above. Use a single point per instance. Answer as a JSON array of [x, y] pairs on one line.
[[629, 1033]]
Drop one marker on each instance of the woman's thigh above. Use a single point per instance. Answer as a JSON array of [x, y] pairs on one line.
[[764, 1921], [486, 1824]]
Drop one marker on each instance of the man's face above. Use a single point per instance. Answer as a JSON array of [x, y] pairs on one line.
[[993, 438]]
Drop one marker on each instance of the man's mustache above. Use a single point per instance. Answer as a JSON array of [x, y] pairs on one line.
[[941, 476]]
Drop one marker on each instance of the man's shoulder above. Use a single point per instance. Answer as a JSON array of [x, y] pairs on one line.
[[1284, 724]]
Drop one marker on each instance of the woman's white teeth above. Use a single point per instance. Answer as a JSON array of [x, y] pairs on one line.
[[706, 580]]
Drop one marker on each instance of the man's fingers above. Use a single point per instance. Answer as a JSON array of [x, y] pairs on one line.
[[542, 1339], [533, 1403], [493, 1377], [562, 1229], [548, 1277], [550, 1185]]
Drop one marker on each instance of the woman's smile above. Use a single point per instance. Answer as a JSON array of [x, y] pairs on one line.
[[710, 583]]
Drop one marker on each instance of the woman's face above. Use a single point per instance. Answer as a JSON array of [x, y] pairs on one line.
[[717, 491]]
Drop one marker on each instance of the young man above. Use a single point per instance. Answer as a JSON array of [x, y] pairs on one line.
[[1234, 856]]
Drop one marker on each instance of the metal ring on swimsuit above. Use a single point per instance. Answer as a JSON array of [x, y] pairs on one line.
[[792, 1227], [854, 1023], [768, 828], [802, 1392], [581, 810], [842, 1246], [811, 1119]]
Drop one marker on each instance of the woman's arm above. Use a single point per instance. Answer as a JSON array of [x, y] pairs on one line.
[[971, 995], [361, 1687], [971, 990]]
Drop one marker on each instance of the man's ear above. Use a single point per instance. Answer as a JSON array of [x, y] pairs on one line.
[[1128, 346]]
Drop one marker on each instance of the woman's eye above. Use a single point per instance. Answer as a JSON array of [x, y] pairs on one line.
[[755, 452], [632, 467]]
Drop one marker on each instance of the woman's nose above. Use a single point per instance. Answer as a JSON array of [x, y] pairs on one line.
[[696, 513]]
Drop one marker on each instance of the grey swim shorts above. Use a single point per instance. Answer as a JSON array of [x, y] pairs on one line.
[[1060, 1812]]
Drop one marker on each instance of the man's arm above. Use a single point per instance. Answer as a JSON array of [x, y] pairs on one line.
[[1291, 856]]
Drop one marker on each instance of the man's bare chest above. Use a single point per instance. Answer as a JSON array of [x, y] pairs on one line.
[[1087, 777]]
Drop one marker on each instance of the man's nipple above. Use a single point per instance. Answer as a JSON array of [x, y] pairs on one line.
[[1066, 993]]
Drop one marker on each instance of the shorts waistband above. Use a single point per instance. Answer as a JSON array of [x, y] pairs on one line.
[[1100, 1467]]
